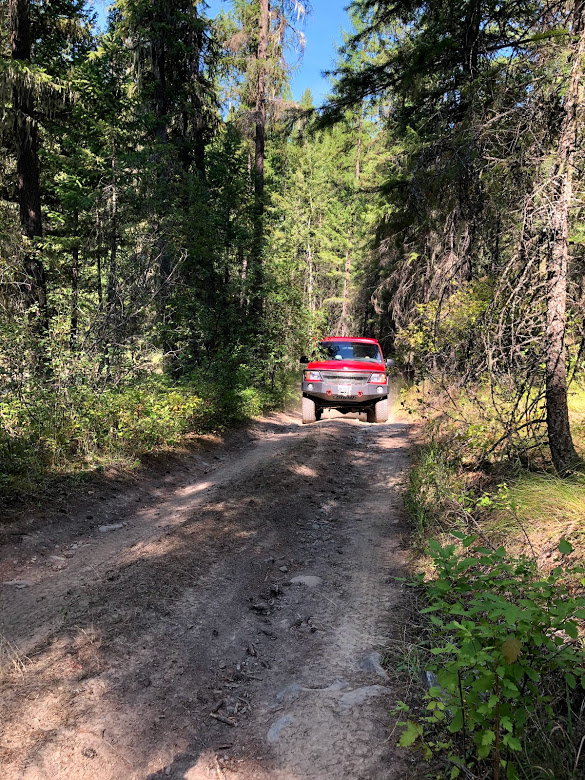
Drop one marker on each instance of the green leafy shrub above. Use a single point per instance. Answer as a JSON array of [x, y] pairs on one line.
[[434, 490], [79, 424], [508, 662], [440, 328]]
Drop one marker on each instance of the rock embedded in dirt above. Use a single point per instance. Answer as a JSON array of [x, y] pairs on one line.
[[19, 583], [104, 529], [261, 607], [372, 663], [292, 688], [283, 569], [277, 727], [337, 685], [310, 580], [429, 679], [360, 695]]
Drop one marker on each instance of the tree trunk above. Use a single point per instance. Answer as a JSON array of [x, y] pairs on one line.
[[99, 284], [73, 325], [244, 298], [259, 153], [345, 304], [112, 286], [200, 118], [163, 194], [470, 197], [347, 271], [310, 281], [560, 440], [27, 167], [358, 157]]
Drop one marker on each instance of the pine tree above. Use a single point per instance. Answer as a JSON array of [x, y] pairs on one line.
[[27, 160], [258, 36]]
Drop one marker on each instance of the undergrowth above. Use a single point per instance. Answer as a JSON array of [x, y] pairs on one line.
[[508, 666], [73, 428], [504, 638]]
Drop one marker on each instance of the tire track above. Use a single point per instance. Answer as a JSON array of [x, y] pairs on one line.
[[195, 608]]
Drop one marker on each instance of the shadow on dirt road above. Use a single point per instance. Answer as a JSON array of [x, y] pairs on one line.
[[230, 626]]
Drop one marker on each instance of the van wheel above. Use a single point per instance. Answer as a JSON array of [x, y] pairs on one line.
[[308, 411], [379, 414]]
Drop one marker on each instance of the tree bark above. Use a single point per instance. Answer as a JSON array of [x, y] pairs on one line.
[[310, 280], [347, 271], [99, 284], [345, 304], [358, 157], [27, 167], [199, 130], [73, 325], [161, 110], [112, 286], [259, 155], [560, 440]]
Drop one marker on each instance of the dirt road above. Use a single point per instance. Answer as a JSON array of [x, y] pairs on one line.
[[224, 620]]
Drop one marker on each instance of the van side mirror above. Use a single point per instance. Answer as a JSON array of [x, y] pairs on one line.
[[304, 359], [390, 363]]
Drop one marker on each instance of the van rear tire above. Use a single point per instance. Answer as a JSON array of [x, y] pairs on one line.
[[308, 411]]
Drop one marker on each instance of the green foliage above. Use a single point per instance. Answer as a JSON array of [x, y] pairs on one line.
[[47, 430], [148, 244], [441, 329], [472, 109], [434, 491], [483, 421], [507, 656], [321, 219], [542, 504]]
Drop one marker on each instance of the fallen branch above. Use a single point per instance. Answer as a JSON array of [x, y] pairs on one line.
[[222, 718]]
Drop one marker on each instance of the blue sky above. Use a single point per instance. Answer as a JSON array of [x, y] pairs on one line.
[[322, 31], [323, 34]]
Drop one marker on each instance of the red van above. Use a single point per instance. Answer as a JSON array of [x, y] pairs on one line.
[[347, 374]]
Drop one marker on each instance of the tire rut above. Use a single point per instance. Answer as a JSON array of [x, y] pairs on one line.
[[192, 619]]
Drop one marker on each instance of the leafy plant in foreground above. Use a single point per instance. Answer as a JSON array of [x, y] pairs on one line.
[[506, 650]]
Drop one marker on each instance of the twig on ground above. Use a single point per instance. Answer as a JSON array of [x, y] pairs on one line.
[[218, 769], [578, 754], [222, 719]]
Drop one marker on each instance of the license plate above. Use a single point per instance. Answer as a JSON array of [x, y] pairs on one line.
[[343, 390]]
